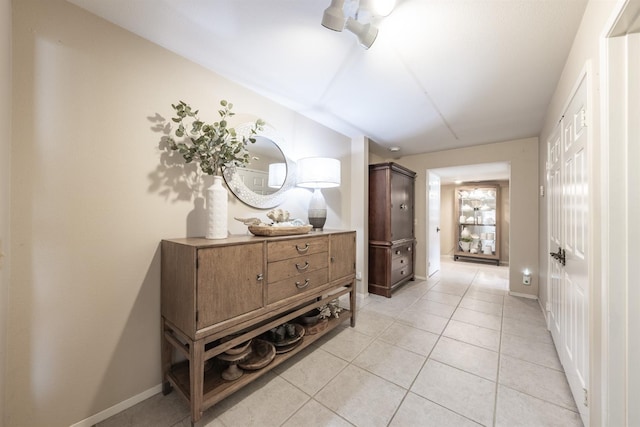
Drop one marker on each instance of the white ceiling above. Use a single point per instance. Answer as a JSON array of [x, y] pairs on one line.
[[442, 74]]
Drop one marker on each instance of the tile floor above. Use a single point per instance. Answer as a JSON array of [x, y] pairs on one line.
[[454, 350]]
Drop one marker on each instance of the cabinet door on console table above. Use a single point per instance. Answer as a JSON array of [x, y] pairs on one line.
[[229, 282], [202, 286], [343, 255]]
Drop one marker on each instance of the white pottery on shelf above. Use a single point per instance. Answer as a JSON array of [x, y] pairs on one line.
[[217, 209], [465, 232]]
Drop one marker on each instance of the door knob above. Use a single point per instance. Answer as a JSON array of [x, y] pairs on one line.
[[560, 256], [437, 229]]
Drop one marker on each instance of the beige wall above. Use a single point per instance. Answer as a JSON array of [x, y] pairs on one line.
[[505, 221], [360, 208], [585, 50], [448, 240], [5, 186], [448, 220], [523, 156], [93, 196]]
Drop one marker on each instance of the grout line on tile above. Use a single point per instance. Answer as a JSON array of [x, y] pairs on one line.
[[541, 400], [428, 356], [495, 398]]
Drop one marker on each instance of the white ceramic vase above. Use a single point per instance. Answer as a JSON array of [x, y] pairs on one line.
[[465, 246], [217, 210], [465, 232]]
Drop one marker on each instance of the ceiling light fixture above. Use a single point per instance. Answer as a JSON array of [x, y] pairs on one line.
[[378, 7], [394, 149], [333, 17], [366, 33]]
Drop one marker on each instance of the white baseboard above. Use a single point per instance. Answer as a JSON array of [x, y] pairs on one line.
[[117, 408], [518, 294], [545, 313]]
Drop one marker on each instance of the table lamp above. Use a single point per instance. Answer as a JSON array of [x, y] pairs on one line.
[[318, 173]]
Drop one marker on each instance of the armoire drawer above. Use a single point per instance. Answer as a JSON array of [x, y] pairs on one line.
[[401, 273], [400, 262], [402, 250]]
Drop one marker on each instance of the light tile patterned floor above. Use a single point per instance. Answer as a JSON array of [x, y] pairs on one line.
[[455, 350]]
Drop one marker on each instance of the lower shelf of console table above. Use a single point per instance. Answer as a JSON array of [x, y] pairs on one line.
[[211, 388], [216, 388]]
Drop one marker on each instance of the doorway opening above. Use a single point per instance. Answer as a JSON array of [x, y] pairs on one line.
[[442, 222]]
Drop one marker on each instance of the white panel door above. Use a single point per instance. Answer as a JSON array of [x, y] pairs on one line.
[[554, 194], [568, 239], [434, 224]]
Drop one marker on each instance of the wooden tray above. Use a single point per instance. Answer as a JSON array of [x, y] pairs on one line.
[[318, 327], [287, 348], [262, 353], [268, 230]]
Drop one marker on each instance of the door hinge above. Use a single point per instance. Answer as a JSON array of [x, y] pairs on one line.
[[586, 397], [583, 118]]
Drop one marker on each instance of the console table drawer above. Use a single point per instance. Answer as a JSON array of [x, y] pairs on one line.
[[288, 268], [277, 251], [282, 289]]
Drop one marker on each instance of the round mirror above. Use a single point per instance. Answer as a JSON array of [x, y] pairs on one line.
[[269, 175]]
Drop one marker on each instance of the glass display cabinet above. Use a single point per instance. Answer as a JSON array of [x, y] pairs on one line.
[[478, 223]]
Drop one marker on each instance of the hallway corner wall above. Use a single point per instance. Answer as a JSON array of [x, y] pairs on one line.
[[522, 154]]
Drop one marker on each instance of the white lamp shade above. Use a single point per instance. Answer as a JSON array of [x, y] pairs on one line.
[[277, 174], [318, 172]]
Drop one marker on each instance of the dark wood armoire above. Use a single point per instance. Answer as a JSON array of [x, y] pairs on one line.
[[391, 227]]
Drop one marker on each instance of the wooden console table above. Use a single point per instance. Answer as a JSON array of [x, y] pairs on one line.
[[242, 287]]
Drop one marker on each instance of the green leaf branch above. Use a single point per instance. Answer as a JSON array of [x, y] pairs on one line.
[[214, 146]]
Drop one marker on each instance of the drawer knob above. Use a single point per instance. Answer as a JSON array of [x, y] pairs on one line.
[[409, 249], [260, 277], [303, 249], [398, 252], [402, 272], [302, 267], [302, 285], [401, 261], [403, 206]]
